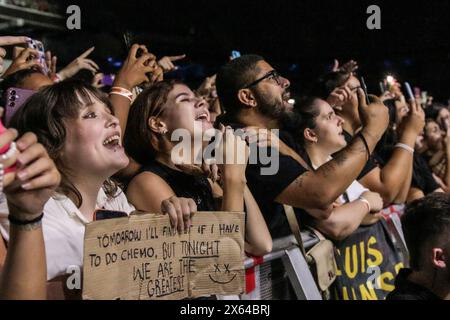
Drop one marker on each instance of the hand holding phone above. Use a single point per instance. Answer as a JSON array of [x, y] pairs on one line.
[[409, 92], [364, 87], [39, 46]]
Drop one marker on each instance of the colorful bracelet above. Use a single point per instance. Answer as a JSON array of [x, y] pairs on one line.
[[122, 92], [122, 95]]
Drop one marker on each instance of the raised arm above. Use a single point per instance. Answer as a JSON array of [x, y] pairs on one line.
[[24, 275], [319, 189], [395, 176], [133, 73]]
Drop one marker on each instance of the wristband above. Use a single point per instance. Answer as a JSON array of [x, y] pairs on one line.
[[361, 198], [122, 95], [122, 92], [29, 225], [405, 147]]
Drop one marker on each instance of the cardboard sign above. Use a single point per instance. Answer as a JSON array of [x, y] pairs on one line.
[[143, 258]]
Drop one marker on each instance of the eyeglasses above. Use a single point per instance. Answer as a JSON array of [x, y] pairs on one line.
[[271, 75]]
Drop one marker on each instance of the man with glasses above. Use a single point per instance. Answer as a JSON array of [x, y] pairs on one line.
[[255, 95]]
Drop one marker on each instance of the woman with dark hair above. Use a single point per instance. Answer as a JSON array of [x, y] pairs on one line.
[[74, 122], [391, 178], [440, 113], [437, 155], [161, 112], [321, 134]]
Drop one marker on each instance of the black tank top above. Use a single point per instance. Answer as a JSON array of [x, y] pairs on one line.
[[185, 185]]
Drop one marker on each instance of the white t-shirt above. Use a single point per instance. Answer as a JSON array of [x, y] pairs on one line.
[[63, 227]]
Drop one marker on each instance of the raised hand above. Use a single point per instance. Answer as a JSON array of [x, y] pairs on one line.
[[80, 63], [349, 67], [27, 59], [208, 88], [167, 63], [415, 121], [374, 117], [339, 97], [235, 154], [51, 63], [9, 41], [36, 180], [136, 70]]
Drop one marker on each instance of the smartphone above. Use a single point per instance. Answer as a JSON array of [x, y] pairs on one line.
[[39, 46], [383, 88], [108, 214], [409, 91], [235, 54], [15, 99], [108, 80], [424, 97], [364, 87]]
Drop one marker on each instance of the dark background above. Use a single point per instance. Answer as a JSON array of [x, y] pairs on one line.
[[300, 38]]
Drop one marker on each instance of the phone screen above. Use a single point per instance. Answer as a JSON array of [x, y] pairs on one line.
[[235, 54], [409, 91], [364, 87]]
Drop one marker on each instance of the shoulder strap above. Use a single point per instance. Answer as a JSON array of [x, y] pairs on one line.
[[295, 227]]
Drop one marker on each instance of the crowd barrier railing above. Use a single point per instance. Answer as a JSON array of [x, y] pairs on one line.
[[295, 266]]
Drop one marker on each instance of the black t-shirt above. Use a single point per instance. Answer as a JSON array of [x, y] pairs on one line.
[[185, 185], [266, 188], [407, 290], [370, 165]]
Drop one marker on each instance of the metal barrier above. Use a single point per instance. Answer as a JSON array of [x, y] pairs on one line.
[[297, 270], [286, 251]]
